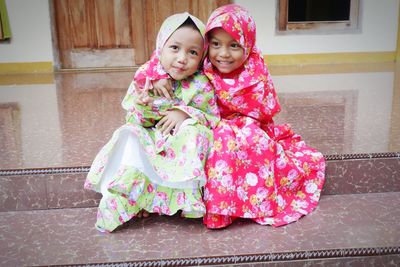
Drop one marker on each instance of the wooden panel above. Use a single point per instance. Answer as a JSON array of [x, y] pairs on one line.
[[199, 8], [104, 12], [163, 9], [122, 22], [182, 6], [75, 23], [79, 23], [138, 31], [283, 14], [84, 26], [151, 25], [62, 28], [204, 10], [90, 29], [62, 24]]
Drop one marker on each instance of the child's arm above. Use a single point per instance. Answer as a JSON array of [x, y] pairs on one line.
[[163, 88], [202, 106], [172, 120], [136, 111], [143, 108], [269, 105], [142, 95]]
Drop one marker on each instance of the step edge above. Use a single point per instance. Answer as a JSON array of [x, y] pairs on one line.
[[85, 169], [258, 258]]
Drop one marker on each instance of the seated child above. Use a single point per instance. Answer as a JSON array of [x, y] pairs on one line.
[[155, 162], [256, 169]]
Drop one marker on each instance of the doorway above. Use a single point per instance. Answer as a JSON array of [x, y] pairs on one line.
[[114, 33]]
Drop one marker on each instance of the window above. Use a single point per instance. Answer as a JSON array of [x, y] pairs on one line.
[[313, 16]]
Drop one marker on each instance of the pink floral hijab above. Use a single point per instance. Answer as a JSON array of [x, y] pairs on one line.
[[153, 69], [251, 84]]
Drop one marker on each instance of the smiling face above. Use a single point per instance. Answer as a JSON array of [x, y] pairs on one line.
[[224, 52], [182, 53]]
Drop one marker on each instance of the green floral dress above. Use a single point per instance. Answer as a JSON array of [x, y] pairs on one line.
[[139, 169]]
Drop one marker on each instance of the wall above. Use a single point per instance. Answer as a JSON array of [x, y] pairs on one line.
[[31, 42], [30, 29], [379, 22]]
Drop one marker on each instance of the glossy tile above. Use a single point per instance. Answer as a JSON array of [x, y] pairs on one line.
[[65, 122], [345, 224], [24, 192], [65, 190], [362, 176]]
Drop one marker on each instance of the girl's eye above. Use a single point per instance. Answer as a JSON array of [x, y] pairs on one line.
[[174, 47], [214, 43], [235, 45], [193, 52]]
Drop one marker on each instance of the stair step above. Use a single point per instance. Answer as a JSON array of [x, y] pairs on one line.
[[51, 188], [343, 227]]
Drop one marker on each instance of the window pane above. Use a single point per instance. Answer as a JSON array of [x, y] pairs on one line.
[[318, 10]]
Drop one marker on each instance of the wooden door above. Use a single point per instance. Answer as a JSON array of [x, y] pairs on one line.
[[115, 33]]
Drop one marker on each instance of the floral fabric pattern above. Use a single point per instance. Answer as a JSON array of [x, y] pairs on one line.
[[139, 168], [256, 169]]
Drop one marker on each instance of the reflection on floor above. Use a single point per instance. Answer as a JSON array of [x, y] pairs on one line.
[[63, 120], [52, 126]]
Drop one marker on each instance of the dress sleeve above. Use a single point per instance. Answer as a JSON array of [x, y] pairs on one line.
[[258, 100], [269, 103], [145, 115], [151, 70], [202, 107]]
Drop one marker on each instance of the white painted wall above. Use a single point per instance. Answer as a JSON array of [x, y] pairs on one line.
[[31, 41], [379, 22], [31, 34]]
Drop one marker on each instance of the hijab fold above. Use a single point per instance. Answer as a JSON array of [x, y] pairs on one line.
[[251, 83], [153, 69]]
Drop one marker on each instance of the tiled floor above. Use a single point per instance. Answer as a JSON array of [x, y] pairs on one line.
[[57, 237], [62, 120]]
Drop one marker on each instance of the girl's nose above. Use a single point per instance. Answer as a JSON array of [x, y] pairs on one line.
[[182, 58], [224, 52]]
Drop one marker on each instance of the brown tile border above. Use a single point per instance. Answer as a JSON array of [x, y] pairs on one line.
[[363, 156], [85, 169], [258, 258], [45, 191], [55, 170], [57, 188], [356, 176]]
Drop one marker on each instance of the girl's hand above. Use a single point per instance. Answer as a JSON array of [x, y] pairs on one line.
[[143, 94], [172, 120], [163, 88]]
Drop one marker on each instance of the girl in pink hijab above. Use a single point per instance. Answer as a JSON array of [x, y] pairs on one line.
[[256, 169]]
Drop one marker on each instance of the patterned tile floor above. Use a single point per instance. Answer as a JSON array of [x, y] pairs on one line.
[[63, 119], [361, 223]]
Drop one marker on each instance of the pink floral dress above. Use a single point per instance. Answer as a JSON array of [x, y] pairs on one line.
[[256, 169]]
